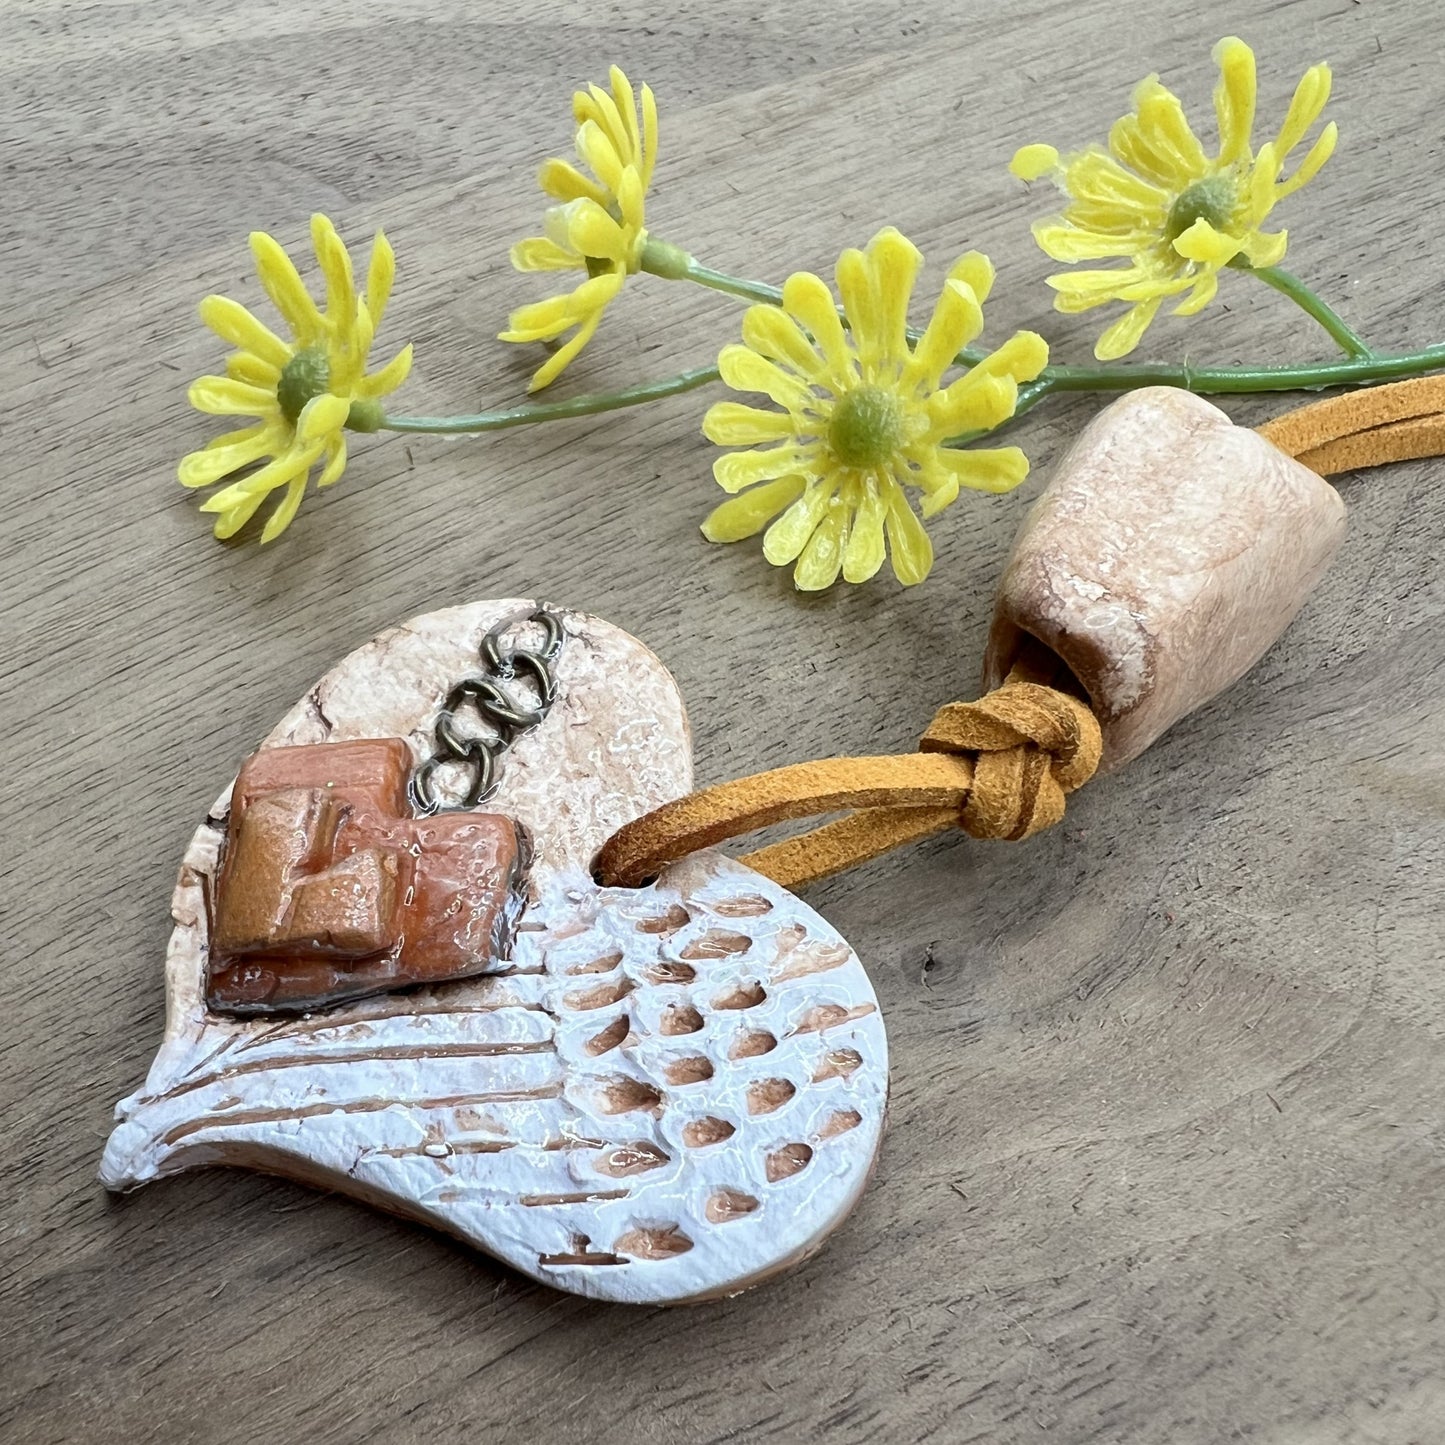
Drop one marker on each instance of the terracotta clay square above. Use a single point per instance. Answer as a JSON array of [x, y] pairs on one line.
[[329, 890]]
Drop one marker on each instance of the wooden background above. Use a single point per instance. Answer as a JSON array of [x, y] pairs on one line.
[[1165, 1162]]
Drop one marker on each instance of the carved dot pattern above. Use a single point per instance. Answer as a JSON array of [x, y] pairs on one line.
[[764, 1006]]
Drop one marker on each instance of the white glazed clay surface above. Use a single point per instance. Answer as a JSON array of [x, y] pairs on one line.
[[666, 1093]]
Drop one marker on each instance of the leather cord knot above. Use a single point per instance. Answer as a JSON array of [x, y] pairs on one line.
[[1033, 745]]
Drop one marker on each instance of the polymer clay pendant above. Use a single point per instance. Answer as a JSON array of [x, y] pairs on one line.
[[392, 974]]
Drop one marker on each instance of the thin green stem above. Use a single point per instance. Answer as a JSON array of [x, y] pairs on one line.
[[740, 286], [1235, 380], [1349, 341], [1221, 380], [589, 405]]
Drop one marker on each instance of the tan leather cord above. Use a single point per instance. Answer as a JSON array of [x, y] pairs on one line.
[[1000, 767], [1359, 429]]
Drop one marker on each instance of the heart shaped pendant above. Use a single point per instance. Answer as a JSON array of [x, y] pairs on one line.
[[645, 1095]]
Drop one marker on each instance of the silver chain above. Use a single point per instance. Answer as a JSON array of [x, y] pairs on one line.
[[479, 755]]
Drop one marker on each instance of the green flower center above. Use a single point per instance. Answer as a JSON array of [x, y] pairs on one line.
[[866, 427], [1212, 199], [305, 376]]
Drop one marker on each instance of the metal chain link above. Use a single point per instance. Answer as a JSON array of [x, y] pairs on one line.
[[478, 755]]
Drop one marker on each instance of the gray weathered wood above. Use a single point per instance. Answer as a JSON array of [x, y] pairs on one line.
[[1165, 1160]]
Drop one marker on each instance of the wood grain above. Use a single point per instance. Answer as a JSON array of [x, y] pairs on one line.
[[1166, 1153]]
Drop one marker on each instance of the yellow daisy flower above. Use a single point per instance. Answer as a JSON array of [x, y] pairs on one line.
[[303, 392], [596, 225], [1175, 214], [864, 414]]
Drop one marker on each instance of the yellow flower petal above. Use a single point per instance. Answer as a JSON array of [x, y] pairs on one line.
[[1082, 290], [1157, 139], [1032, 162], [822, 555], [731, 424], [649, 135], [747, 515], [335, 461], [807, 299], [736, 470], [540, 320], [1260, 188], [745, 370], [320, 416], [232, 520], [1309, 167], [772, 333], [1063, 242], [984, 469], [605, 113], [1023, 356], [1200, 297], [625, 99], [1264, 249], [335, 262], [384, 382], [282, 283], [246, 366], [591, 231], [912, 551], [855, 286], [629, 202], [285, 513], [564, 182], [594, 148], [956, 320], [867, 547], [222, 396], [1124, 335], [893, 264], [538, 253], [347, 351], [1206, 246], [235, 450], [977, 401], [232, 322], [1310, 97], [1234, 99], [943, 493], [380, 274], [975, 271], [276, 473], [784, 541], [553, 367], [1094, 175]]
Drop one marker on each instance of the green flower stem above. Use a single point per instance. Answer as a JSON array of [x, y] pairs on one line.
[[1352, 344], [739, 286], [589, 405], [1231, 380], [1224, 381], [1206, 381]]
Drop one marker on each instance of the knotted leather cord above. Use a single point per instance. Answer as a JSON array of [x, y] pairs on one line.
[[1002, 766]]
